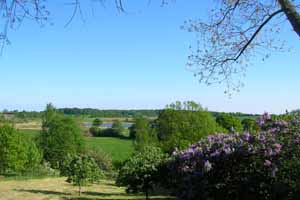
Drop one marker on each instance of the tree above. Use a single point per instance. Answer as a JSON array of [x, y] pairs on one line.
[[13, 154], [82, 170], [236, 30], [142, 133], [140, 173], [117, 125], [17, 154], [180, 128], [61, 137], [48, 115], [229, 122], [97, 122]]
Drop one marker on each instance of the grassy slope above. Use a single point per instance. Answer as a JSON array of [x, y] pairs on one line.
[[119, 149], [58, 189]]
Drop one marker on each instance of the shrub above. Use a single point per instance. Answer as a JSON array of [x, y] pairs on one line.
[[229, 122], [180, 128], [140, 173], [95, 131], [109, 132], [82, 170], [97, 122], [102, 159], [250, 125], [232, 167]]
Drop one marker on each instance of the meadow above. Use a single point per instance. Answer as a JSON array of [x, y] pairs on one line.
[[119, 149], [57, 188]]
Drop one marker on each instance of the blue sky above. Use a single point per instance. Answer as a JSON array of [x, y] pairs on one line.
[[131, 61]]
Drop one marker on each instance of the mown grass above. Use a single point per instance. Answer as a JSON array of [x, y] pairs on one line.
[[58, 189], [119, 149]]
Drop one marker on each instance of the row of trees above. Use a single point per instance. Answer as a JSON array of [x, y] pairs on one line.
[[59, 147], [182, 124], [116, 130]]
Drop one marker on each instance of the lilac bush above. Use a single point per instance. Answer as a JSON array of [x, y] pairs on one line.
[[241, 166]]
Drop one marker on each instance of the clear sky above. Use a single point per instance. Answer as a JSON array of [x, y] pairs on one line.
[[131, 61]]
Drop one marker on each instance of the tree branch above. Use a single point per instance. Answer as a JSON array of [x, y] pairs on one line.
[[292, 14]]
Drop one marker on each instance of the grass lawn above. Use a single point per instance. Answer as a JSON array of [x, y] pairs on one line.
[[118, 149], [58, 189]]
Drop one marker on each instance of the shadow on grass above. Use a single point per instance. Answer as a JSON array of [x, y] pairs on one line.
[[94, 195], [113, 198], [46, 192]]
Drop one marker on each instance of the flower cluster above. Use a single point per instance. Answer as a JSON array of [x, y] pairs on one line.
[[222, 163], [202, 157]]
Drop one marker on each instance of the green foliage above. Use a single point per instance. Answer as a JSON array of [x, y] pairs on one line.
[[186, 105], [34, 157], [179, 128], [97, 122], [108, 113], [142, 133], [49, 114], [140, 173], [18, 154], [117, 127], [95, 131], [82, 170], [250, 125], [102, 159], [60, 136], [13, 154], [229, 122]]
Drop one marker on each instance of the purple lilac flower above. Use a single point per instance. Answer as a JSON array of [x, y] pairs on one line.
[[207, 166], [267, 163], [277, 148]]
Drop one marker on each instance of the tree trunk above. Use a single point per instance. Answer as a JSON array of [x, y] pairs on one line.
[[79, 191], [292, 14], [147, 194]]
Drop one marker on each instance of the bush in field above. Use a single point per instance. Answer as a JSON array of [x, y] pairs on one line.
[[231, 167], [102, 159], [140, 173], [62, 136], [97, 122], [180, 128], [118, 127], [95, 131], [81, 170], [229, 122]]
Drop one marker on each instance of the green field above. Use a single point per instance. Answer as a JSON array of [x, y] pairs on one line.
[[118, 149]]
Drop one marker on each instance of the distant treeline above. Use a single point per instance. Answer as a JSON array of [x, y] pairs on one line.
[[108, 113], [93, 113]]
